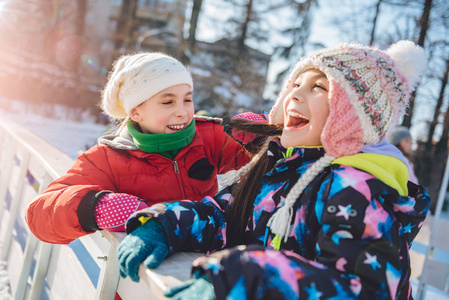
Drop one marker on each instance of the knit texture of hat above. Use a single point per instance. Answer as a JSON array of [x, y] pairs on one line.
[[398, 134], [136, 78], [369, 91]]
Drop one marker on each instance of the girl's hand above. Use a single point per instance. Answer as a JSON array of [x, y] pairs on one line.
[[146, 244], [113, 209], [247, 137], [195, 288]]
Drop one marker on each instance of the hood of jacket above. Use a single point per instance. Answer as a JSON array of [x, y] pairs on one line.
[[122, 140], [390, 170]]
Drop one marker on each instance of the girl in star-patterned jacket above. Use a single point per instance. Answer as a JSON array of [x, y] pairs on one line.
[[326, 211]]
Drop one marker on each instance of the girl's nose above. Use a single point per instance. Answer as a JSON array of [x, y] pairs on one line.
[[297, 95], [180, 111]]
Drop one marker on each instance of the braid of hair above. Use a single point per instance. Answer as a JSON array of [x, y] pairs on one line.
[[261, 129], [234, 176], [279, 223]]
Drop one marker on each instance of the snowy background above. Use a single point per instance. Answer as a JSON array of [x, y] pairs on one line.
[[70, 130]]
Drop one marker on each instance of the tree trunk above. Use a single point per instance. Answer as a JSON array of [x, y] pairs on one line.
[[436, 172], [196, 9], [245, 25], [82, 9], [80, 27], [437, 161], [442, 143], [373, 31], [436, 114], [424, 22], [124, 24]]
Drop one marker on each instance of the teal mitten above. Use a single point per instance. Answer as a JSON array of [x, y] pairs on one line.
[[195, 288], [146, 244]]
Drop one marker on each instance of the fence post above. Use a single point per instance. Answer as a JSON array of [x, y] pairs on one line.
[[42, 263], [7, 162], [430, 247], [15, 204], [30, 249], [109, 276]]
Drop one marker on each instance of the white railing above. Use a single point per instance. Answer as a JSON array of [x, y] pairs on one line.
[[86, 268], [433, 272]]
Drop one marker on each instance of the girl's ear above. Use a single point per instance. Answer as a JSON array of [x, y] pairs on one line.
[[134, 115]]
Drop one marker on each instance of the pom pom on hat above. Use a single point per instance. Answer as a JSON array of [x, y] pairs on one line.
[[136, 78], [410, 60]]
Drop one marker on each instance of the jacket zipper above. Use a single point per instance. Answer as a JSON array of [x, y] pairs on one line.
[[179, 179]]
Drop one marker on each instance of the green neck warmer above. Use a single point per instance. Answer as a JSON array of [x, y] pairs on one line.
[[167, 144]]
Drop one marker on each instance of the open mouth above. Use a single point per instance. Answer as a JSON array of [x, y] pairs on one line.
[[296, 120], [177, 127]]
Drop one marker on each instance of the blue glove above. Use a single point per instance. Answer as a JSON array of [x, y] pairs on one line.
[[195, 288], [146, 244]]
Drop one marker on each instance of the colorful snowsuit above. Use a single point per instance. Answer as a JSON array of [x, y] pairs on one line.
[[117, 165], [350, 235]]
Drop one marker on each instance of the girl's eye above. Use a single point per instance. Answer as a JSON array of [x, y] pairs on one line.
[[319, 86], [188, 100], [296, 85], [167, 102]]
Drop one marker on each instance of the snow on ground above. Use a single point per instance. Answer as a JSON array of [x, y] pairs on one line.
[[4, 283], [69, 136]]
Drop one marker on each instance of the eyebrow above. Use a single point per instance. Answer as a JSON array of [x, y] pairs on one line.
[[320, 75], [167, 95], [317, 75]]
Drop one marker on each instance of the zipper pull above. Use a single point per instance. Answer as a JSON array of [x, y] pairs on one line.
[[175, 164], [276, 242]]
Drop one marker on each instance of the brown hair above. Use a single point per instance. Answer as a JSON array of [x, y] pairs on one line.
[[249, 186]]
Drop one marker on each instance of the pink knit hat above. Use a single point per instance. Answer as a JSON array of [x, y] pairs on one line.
[[369, 91]]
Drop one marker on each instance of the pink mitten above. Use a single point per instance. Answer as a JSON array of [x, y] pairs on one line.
[[113, 209], [247, 137]]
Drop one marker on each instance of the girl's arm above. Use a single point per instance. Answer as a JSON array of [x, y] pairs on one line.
[[53, 216], [165, 228], [188, 225], [229, 154]]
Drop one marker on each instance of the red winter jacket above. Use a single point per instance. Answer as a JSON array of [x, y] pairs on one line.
[[120, 167]]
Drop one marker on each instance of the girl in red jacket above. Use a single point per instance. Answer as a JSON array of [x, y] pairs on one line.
[[161, 152]]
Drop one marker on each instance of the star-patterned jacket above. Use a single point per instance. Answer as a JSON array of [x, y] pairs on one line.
[[349, 238]]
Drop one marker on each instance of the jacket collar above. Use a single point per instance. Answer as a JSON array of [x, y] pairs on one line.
[[124, 141], [167, 145], [297, 154]]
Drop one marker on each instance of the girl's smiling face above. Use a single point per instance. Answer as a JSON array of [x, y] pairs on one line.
[[168, 111], [306, 110]]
